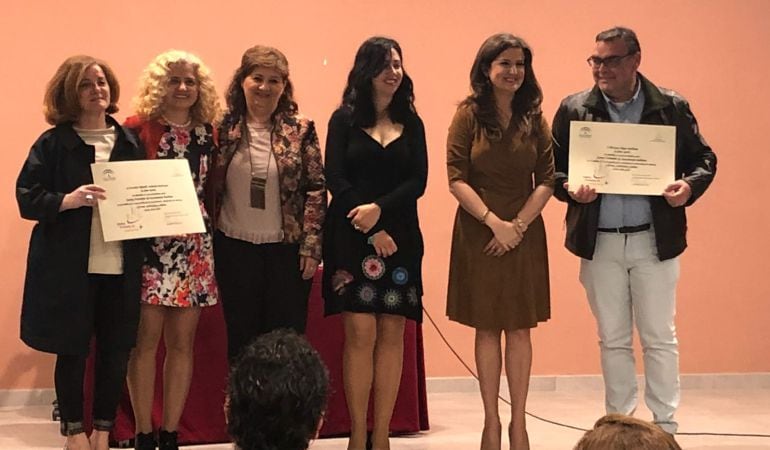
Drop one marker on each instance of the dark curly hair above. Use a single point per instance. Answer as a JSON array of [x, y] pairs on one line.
[[528, 97], [371, 59], [259, 56], [276, 393]]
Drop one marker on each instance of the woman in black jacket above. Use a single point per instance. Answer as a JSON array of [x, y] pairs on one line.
[[78, 285]]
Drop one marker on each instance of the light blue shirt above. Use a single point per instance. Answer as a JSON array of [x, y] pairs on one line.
[[625, 210]]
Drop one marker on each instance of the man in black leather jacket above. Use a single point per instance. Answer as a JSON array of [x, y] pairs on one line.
[[629, 244]]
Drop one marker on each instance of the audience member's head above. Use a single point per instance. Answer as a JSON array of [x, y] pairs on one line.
[[620, 432], [276, 393]]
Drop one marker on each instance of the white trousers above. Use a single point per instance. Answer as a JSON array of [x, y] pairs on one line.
[[626, 283]]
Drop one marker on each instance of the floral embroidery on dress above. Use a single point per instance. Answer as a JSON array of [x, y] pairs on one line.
[[367, 293], [340, 280], [396, 279], [400, 276], [411, 296], [373, 267], [391, 299]]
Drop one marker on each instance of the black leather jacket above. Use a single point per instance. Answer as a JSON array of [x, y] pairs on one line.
[[695, 163]]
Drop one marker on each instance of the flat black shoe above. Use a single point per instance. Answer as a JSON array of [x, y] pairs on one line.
[[145, 441], [167, 440]]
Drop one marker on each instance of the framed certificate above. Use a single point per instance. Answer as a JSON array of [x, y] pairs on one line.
[[621, 158], [147, 198]]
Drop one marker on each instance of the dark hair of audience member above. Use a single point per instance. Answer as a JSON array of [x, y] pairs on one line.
[[276, 393]]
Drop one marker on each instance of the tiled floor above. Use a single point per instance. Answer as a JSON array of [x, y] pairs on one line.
[[456, 422]]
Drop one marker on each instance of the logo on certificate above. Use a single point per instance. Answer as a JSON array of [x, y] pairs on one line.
[[133, 216], [108, 175], [585, 132]]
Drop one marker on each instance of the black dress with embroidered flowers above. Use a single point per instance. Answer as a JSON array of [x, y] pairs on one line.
[[359, 170]]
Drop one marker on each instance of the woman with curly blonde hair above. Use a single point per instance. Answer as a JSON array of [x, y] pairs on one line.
[[176, 106]]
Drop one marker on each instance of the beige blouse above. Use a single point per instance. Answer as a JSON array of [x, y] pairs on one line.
[[103, 257], [238, 219]]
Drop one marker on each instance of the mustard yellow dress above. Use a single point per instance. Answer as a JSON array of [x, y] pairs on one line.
[[511, 291]]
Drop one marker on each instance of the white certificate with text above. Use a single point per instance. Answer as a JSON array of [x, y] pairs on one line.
[[621, 158], [147, 198]]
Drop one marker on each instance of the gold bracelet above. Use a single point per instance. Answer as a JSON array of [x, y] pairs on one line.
[[520, 224], [483, 218]]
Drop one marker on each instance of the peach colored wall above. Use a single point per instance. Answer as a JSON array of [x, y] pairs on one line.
[[714, 52]]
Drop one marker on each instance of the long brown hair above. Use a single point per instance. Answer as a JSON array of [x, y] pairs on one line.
[[528, 97]]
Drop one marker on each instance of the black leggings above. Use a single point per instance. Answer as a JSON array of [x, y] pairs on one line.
[[110, 363]]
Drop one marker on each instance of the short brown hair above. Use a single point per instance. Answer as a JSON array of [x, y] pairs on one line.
[[259, 56], [620, 432], [627, 35], [60, 103]]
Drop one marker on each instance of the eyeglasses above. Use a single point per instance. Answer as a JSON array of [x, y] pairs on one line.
[[609, 62]]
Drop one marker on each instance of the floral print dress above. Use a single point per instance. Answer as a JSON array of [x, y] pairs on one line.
[[179, 271]]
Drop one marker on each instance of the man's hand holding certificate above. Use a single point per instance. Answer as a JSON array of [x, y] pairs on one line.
[[621, 158], [147, 199]]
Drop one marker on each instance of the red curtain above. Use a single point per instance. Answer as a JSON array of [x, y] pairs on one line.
[[203, 419]]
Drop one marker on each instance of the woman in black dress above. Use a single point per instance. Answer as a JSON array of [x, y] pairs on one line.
[[376, 169]]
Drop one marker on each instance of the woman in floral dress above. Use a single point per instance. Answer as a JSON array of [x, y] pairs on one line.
[[176, 104]]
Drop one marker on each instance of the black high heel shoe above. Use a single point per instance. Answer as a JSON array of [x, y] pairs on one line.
[[368, 440], [167, 440], [145, 441]]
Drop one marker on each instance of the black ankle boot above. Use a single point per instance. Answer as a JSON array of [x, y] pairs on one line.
[[145, 441], [167, 440]]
